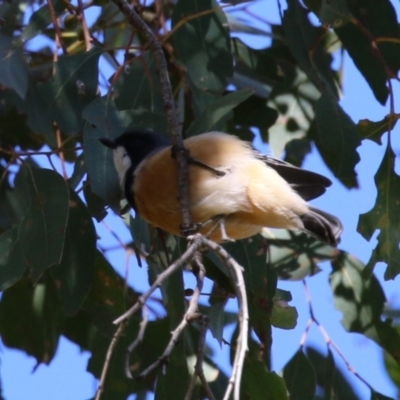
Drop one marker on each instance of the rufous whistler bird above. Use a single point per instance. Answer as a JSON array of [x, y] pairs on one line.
[[231, 184]]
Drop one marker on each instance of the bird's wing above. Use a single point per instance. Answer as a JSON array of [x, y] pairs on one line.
[[307, 184]]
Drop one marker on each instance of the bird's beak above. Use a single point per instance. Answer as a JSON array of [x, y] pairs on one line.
[[108, 143]]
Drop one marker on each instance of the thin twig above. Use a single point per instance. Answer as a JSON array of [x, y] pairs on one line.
[[139, 338], [61, 155], [191, 315], [236, 273], [110, 351], [204, 321], [53, 17], [85, 29], [183, 259], [328, 339], [180, 152]]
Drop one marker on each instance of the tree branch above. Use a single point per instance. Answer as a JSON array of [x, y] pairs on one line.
[[173, 123]]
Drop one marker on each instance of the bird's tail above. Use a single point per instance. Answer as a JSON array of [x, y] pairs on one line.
[[323, 226]]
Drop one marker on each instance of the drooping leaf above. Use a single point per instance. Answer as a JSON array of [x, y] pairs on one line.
[[216, 314], [254, 112], [384, 216], [12, 262], [361, 300], [307, 48], [41, 233], [217, 113], [105, 301], [334, 13], [202, 42], [299, 376], [95, 204], [73, 277], [330, 377], [258, 69], [371, 130], [283, 315], [140, 233], [103, 121], [259, 384], [31, 318], [72, 87], [41, 18], [13, 71], [39, 114], [337, 139], [138, 87], [78, 173]]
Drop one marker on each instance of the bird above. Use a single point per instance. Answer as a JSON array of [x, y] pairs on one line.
[[234, 190]]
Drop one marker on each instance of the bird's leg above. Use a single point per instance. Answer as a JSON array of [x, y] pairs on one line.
[[219, 221]]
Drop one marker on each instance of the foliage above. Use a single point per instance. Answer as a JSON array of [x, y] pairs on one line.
[[55, 104]]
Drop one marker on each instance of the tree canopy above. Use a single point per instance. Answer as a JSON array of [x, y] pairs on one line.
[[72, 72]]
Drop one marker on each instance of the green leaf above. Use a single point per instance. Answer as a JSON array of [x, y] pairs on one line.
[[140, 233], [12, 262], [95, 204], [41, 233], [307, 48], [335, 13], [254, 112], [330, 378], [105, 301], [202, 43], [139, 86], [260, 282], [259, 69], [13, 71], [299, 376], [218, 112], [283, 316], [79, 172], [371, 130], [40, 19], [384, 216], [103, 121], [375, 19], [31, 318], [73, 277], [39, 114], [379, 396], [361, 301], [166, 249], [259, 384], [337, 139], [217, 300], [72, 87]]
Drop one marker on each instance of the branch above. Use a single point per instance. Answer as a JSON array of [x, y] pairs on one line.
[[204, 320], [85, 29], [236, 275], [57, 28], [183, 259], [139, 338], [328, 339], [191, 315], [179, 150], [110, 350]]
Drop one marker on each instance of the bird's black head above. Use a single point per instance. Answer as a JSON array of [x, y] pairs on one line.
[[137, 144]]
